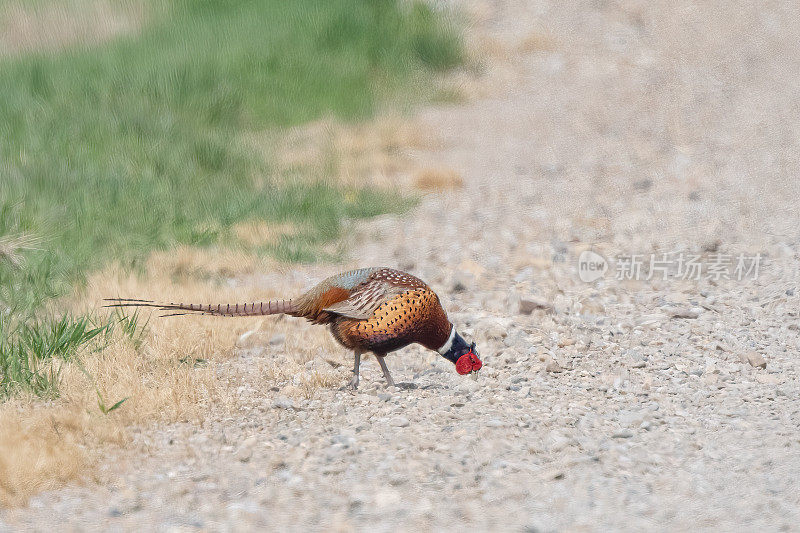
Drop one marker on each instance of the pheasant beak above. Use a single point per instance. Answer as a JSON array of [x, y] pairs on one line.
[[468, 363]]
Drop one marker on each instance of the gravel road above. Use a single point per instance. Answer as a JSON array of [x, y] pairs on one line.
[[630, 129]]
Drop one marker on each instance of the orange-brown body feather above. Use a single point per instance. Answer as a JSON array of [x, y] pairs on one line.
[[412, 316]]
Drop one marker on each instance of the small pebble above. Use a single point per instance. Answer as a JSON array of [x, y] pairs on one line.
[[399, 421]]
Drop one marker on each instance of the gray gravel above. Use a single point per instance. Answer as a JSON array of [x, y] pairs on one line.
[[630, 128]]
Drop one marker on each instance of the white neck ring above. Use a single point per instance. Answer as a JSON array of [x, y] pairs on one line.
[[446, 346]]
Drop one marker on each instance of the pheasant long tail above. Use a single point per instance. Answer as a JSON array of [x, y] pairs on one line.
[[273, 307]]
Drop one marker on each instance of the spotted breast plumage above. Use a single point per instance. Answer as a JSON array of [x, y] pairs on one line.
[[377, 310]]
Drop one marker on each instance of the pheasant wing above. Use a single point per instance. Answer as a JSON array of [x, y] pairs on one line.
[[366, 299]]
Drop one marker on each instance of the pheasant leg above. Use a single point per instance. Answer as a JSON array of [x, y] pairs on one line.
[[354, 381], [389, 380]]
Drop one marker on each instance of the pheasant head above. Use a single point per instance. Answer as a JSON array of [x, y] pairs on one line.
[[463, 355]]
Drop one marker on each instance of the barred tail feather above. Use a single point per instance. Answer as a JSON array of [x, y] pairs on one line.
[[272, 307]]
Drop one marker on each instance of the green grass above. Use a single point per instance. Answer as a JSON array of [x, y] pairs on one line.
[[28, 350], [110, 152], [31, 352]]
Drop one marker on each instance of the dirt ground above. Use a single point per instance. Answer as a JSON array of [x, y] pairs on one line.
[[664, 394]]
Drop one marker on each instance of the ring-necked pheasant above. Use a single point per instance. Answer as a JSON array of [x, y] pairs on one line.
[[375, 310]]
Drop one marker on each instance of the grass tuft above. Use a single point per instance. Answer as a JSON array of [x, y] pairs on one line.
[[30, 352]]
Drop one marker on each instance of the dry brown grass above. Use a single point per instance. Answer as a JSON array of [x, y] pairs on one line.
[[536, 41], [260, 232], [438, 179], [52, 26], [38, 452], [172, 376], [46, 444], [183, 269], [374, 153]]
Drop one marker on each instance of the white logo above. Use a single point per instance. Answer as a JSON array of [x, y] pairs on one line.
[[591, 266]]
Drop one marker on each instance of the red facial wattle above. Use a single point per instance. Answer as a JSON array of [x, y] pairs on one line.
[[468, 363]]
